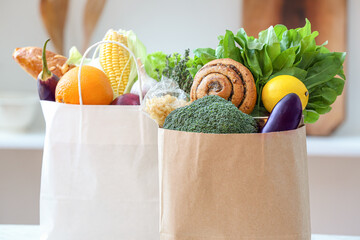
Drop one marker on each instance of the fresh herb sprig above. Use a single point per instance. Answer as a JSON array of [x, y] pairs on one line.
[[176, 68]]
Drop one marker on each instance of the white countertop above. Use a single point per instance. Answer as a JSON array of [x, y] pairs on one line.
[[32, 232], [22, 140], [348, 146]]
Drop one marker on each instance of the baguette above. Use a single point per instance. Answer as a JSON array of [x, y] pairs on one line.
[[30, 60]]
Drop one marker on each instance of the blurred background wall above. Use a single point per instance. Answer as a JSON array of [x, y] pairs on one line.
[[169, 26]]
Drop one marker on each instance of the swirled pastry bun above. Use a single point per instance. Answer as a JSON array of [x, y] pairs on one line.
[[228, 79]]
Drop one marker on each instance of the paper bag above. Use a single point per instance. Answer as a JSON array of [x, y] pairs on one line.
[[99, 174], [233, 186]]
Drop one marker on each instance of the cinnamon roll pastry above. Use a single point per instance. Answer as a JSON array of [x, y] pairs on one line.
[[228, 79]]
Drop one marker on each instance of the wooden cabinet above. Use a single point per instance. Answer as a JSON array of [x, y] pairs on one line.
[[326, 16]]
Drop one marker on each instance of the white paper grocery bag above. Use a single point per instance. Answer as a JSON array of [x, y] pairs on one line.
[[99, 174]]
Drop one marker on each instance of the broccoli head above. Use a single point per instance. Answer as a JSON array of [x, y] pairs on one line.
[[210, 114]]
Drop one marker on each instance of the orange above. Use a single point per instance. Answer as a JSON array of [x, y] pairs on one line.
[[95, 87]]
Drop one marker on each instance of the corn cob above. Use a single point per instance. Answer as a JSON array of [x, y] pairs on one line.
[[115, 61]]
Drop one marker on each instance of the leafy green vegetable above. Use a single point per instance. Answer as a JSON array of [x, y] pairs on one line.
[[75, 57], [293, 71], [229, 47], [285, 59], [311, 116], [279, 51], [154, 64], [322, 71], [205, 55]]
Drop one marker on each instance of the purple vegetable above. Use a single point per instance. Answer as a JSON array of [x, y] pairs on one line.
[[286, 115], [46, 81], [127, 99]]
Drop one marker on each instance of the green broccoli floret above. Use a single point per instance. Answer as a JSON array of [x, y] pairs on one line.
[[210, 114]]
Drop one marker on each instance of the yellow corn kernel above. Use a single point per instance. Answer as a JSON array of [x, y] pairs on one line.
[[115, 61]]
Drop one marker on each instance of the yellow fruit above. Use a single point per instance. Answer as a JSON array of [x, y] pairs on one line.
[[95, 87], [279, 87]]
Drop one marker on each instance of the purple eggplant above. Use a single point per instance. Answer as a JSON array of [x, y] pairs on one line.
[[286, 115], [46, 81]]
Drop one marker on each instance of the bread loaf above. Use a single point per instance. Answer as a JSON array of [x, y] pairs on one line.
[[30, 60]]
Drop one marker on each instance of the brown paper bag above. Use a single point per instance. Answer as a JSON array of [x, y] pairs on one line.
[[233, 186]]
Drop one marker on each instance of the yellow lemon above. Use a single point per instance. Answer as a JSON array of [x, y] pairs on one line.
[[279, 87]]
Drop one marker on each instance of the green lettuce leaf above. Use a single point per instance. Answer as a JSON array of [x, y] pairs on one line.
[[269, 38], [205, 55], [230, 50], [279, 30], [322, 72], [285, 59], [310, 116], [75, 57], [155, 64], [293, 71]]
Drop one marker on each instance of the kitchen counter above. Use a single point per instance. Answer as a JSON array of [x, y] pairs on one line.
[[343, 146], [32, 232]]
